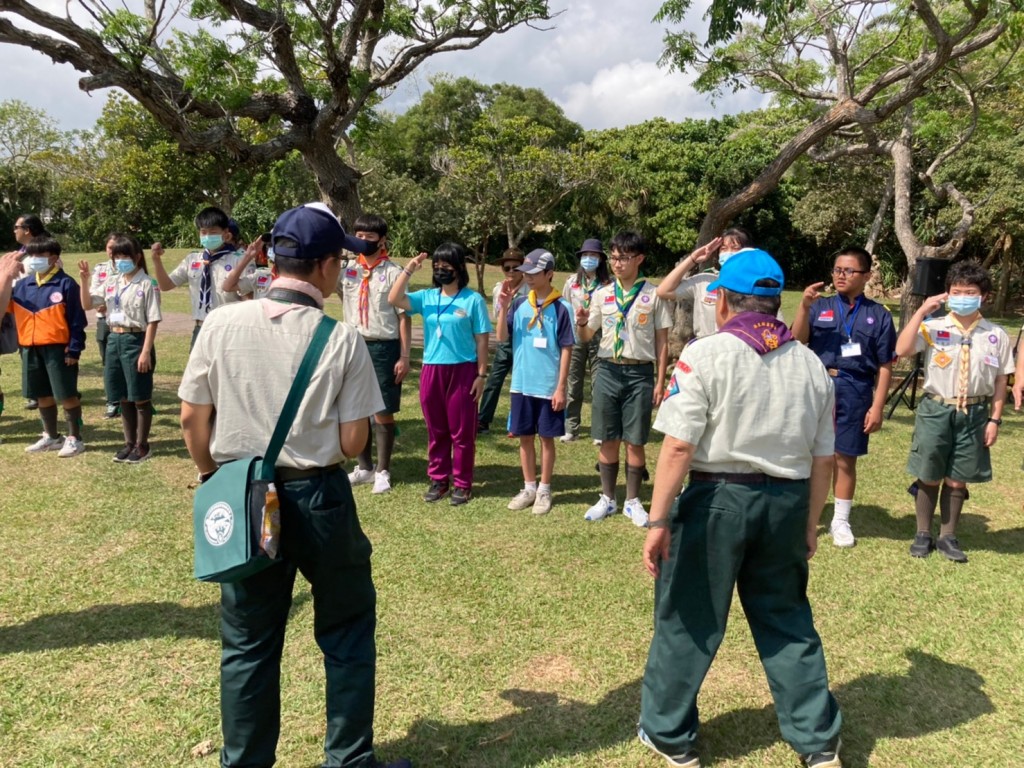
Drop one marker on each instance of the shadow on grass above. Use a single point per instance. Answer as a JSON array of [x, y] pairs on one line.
[[547, 726], [102, 624], [972, 531]]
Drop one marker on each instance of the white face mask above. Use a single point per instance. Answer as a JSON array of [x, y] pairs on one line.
[[36, 264], [724, 256]]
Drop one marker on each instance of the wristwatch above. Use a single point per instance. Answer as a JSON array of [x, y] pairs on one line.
[[997, 422]]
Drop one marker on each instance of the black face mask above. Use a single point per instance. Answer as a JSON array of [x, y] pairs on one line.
[[444, 276]]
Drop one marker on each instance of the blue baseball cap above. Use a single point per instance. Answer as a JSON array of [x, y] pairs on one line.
[[317, 231], [746, 267]]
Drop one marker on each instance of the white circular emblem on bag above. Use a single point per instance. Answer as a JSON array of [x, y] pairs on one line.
[[218, 524]]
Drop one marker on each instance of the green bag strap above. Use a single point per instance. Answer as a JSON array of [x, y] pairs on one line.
[[295, 395]]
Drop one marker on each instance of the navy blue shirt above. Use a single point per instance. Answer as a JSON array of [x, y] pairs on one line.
[[834, 323]]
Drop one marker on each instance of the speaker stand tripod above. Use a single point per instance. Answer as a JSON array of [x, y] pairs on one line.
[[899, 395]]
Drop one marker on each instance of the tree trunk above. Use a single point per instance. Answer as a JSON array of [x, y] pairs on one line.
[[336, 180], [875, 286], [997, 246], [481, 265], [1004, 278]]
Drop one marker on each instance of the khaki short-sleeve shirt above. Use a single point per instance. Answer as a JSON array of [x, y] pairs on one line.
[[575, 293], [244, 363], [991, 356], [694, 291], [100, 273], [384, 320], [133, 303], [747, 412], [190, 271], [648, 314]]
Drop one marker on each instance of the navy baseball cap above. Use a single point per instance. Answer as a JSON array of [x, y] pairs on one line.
[[746, 267], [317, 231], [537, 261]]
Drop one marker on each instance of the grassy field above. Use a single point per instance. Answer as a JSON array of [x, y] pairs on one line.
[[505, 641]]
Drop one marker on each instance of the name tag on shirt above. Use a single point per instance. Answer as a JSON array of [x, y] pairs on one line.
[[540, 342], [117, 318], [850, 349], [624, 335]]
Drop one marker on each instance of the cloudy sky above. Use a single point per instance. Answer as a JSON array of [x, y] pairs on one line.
[[598, 60]]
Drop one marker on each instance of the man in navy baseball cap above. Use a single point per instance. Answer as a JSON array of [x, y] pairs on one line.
[[312, 231]]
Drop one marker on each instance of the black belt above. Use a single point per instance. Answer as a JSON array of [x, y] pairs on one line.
[[740, 478], [286, 474]]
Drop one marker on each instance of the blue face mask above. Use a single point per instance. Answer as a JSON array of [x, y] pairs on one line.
[[211, 242], [724, 256], [124, 266], [589, 263], [963, 305], [36, 264]]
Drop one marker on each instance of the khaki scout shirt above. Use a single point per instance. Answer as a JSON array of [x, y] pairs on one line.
[[694, 291], [648, 314], [384, 319], [100, 273], [575, 293], [190, 271], [261, 280], [133, 303], [243, 364], [991, 356], [747, 412]]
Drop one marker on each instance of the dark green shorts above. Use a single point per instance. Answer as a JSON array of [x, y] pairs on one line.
[[950, 444], [121, 377], [45, 374], [622, 402], [385, 355]]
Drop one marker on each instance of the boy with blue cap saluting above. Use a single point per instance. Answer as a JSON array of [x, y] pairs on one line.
[[748, 414]]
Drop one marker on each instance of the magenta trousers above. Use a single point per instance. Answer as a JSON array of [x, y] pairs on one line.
[[450, 413]]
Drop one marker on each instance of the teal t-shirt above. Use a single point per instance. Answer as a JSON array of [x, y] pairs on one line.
[[450, 324]]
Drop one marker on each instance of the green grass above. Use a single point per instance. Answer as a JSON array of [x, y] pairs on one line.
[[504, 640]]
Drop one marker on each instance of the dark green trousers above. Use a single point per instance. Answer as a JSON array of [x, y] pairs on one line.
[[321, 538], [500, 367], [753, 537], [584, 358]]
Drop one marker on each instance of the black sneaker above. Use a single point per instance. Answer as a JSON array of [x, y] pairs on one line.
[[139, 454], [950, 547], [113, 411], [923, 545], [438, 490], [31, 405], [483, 429], [461, 496], [123, 454], [688, 759], [827, 759]]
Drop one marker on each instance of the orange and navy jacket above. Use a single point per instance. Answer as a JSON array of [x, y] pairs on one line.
[[50, 313]]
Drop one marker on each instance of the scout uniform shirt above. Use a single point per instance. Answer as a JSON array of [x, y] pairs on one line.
[[991, 355], [857, 341], [100, 273], [647, 314], [192, 268], [131, 304], [694, 290], [261, 280], [382, 320], [747, 412], [577, 294]]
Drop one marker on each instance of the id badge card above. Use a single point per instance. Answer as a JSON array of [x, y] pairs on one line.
[[849, 349], [117, 318], [540, 342]]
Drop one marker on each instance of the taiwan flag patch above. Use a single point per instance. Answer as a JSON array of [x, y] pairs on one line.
[[351, 274], [609, 299], [942, 335], [827, 316]]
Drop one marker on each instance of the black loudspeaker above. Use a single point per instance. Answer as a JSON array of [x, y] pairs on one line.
[[930, 277]]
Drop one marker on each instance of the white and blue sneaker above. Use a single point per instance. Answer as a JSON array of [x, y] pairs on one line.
[[688, 759], [604, 507], [634, 510]]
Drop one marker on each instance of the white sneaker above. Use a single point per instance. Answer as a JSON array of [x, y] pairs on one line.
[[360, 476], [602, 509], [842, 536], [568, 438], [72, 447], [381, 481], [46, 443], [597, 442], [542, 505], [635, 511], [522, 500]]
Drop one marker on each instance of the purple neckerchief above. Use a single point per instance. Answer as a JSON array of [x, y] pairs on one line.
[[764, 333]]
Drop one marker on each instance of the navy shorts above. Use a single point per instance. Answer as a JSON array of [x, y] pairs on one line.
[[534, 416], [853, 400]]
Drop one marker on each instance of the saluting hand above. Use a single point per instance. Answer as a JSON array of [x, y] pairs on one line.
[[84, 270], [582, 315], [157, 250], [933, 303], [811, 294], [10, 265], [656, 547], [417, 261], [702, 254]]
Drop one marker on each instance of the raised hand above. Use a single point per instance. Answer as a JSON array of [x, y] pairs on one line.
[[811, 294]]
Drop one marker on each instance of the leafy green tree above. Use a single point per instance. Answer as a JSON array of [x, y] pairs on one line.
[[259, 80], [26, 133]]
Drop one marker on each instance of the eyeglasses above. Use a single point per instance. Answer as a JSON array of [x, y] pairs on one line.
[[846, 271], [621, 256], [509, 267], [20, 226]]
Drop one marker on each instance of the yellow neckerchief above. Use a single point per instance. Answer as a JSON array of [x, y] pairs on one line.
[[45, 277], [532, 298], [964, 373]]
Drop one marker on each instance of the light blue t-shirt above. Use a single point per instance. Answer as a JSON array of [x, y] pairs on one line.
[[537, 351], [459, 318]]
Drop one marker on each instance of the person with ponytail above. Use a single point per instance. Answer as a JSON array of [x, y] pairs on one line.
[[132, 301]]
